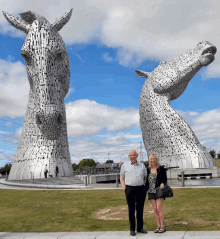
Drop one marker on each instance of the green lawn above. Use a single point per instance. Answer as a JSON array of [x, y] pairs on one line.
[[217, 162], [39, 211]]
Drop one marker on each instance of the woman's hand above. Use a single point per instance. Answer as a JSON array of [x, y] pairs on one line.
[[162, 186]]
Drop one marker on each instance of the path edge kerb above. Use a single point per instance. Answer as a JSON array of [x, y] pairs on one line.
[[45, 186], [74, 186]]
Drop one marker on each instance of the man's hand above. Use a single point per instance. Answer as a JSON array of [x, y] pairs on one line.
[[162, 186]]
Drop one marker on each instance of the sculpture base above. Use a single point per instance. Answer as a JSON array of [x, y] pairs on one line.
[[194, 172]]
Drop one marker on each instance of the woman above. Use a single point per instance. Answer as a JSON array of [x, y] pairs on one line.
[[156, 177]]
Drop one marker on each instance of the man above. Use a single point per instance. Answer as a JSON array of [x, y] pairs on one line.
[[132, 178], [45, 171], [56, 170]]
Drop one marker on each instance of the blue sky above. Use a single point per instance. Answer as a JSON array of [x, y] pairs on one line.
[[106, 41]]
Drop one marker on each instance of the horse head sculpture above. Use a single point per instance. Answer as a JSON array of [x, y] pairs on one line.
[[48, 72], [165, 133]]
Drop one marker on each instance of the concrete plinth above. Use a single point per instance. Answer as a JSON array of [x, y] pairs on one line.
[[98, 178], [173, 173]]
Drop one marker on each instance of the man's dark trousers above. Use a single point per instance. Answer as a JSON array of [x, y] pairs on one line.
[[135, 196]]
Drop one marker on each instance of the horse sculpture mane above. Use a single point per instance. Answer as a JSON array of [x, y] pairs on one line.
[[44, 137], [165, 133]]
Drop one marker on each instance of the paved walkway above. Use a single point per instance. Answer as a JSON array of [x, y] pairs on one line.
[[112, 235], [98, 186]]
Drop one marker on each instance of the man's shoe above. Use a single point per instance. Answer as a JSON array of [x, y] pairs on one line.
[[132, 233], [142, 231]]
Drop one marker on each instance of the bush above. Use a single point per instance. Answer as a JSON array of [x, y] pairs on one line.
[[213, 153], [5, 169]]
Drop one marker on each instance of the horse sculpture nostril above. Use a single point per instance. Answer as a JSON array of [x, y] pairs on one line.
[[59, 119], [38, 120]]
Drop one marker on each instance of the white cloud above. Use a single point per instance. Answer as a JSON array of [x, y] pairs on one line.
[[212, 71], [85, 117], [71, 90], [127, 136], [107, 58], [6, 158], [189, 116], [212, 144], [116, 146], [142, 29], [207, 125], [14, 90]]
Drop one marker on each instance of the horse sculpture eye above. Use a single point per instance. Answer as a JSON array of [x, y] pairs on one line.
[[26, 57], [60, 55]]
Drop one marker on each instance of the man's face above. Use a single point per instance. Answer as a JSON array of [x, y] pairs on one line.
[[133, 156]]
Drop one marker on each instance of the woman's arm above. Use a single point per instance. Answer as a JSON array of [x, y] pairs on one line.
[[163, 176]]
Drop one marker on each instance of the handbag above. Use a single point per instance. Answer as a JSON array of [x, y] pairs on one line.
[[165, 192]]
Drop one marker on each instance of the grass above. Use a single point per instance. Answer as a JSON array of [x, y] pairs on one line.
[[217, 162], [40, 211]]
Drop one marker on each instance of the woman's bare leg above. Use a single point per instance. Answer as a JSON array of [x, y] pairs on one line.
[[159, 203], [156, 214]]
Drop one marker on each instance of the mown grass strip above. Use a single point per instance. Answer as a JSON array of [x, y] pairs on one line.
[[40, 211]]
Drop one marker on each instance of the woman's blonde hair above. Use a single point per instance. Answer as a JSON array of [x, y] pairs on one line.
[[157, 163]]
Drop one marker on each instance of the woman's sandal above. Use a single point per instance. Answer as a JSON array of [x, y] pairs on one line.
[[162, 230], [157, 230]]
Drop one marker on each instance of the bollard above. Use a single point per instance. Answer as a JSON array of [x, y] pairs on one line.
[[88, 179], [117, 180], [182, 176], [85, 180]]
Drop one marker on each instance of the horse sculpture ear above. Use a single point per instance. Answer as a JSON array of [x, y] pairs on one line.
[[60, 22], [142, 74], [17, 22]]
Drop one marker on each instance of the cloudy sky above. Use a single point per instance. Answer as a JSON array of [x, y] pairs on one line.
[[106, 41]]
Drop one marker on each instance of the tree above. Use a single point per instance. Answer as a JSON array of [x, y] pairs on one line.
[[146, 163], [75, 166], [218, 155], [5, 169], [87, 162], [213, 153], [109, 161]]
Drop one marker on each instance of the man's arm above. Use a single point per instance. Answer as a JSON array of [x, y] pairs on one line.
[[122, 182]]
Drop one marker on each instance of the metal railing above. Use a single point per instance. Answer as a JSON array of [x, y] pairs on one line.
[[96, 171]]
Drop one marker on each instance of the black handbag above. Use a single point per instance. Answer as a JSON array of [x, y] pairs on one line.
[[165, 192]]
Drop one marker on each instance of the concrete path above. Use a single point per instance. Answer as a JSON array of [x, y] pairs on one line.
[[22, 186], [112, 235]]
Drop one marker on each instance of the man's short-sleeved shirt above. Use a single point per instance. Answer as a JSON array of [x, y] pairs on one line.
[[133, 174]]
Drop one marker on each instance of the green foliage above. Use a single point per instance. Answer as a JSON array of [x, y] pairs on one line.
[[218, 155], [147, 163], [109, 161], [75, 166], [87, 162], [5, 169], [213, 153]]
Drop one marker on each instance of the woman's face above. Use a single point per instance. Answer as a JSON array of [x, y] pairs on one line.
[[153, 160]]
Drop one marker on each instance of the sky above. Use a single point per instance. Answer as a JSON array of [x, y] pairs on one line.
[[106, 41]]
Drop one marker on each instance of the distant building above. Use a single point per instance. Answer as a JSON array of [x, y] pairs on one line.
[[106, 166]]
